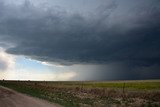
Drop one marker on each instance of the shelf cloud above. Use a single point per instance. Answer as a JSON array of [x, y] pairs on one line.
[[114, 32]]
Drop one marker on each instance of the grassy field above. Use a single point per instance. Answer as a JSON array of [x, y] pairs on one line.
[[92, 94]]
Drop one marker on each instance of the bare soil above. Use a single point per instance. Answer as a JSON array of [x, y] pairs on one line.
[[10, 98]]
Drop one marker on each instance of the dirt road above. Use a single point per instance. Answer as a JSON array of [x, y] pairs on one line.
[[10, 98]]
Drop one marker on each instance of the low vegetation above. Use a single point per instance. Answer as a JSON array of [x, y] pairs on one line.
[[92, 94]]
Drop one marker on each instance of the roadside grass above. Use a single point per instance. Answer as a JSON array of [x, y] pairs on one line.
[[42, 93], [141, 85], [137, 85], [92, 94]]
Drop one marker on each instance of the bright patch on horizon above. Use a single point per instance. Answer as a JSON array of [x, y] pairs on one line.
[[22, 68], [7, 61]]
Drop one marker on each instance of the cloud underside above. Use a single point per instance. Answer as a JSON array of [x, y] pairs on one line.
[[111, 33]]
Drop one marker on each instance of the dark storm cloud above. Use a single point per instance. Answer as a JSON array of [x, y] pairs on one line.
[[118, 31]]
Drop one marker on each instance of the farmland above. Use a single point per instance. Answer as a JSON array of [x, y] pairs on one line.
[[92, 94]]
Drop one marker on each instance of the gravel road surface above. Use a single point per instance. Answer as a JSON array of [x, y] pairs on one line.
[[10, 98]]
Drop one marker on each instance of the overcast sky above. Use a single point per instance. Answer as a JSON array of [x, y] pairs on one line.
[[79, 39]]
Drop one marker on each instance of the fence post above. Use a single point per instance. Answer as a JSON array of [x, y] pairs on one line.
[[123, 87]]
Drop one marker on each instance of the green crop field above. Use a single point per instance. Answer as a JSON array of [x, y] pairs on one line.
[[92, 94]]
